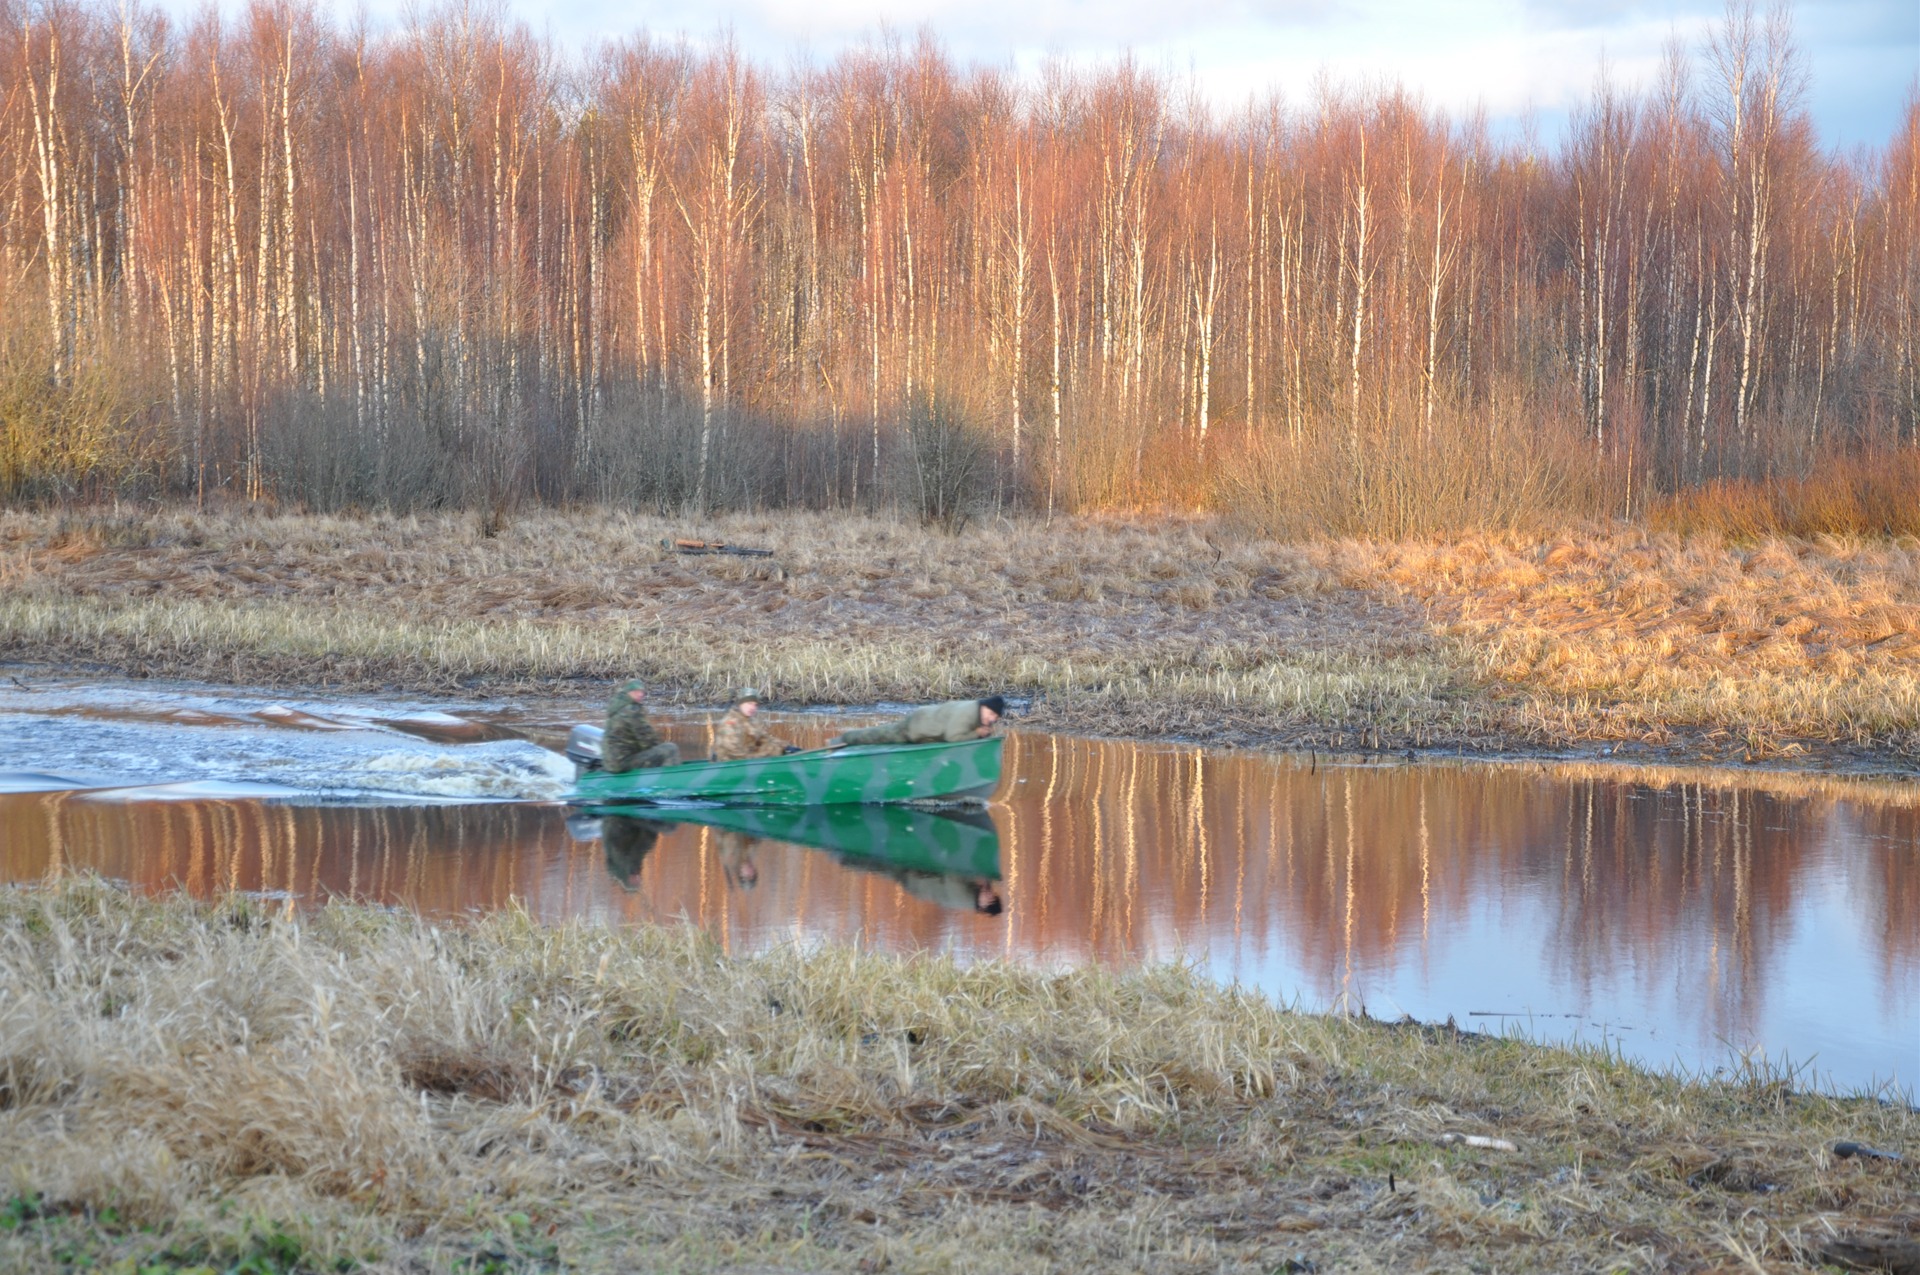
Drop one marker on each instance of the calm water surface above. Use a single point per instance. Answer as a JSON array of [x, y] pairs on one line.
[[1680, 916]]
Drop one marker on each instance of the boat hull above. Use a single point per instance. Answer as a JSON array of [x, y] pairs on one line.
[[946, 843], [816, 777]]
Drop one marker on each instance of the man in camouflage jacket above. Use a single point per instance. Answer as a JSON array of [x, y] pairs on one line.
[[630, 741], [739, 736]]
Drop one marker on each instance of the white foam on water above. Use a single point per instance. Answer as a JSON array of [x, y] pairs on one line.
[[282, 715], [159, 701], [35, 781], [513, 771], [428, 719], [192, 790], [143, 742]]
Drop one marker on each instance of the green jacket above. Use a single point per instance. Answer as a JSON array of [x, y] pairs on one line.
[[948, 723], [628, 734]]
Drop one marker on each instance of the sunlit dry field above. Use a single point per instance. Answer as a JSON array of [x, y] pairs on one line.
[[1653, 644], [216, 1084]]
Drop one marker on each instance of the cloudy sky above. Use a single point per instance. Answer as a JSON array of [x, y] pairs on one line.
[[1516, 58]]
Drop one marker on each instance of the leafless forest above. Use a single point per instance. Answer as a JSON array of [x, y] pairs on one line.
[[280, 258]]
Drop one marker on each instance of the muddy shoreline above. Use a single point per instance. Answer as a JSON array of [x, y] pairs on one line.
[[584, 695], [1606, 644]]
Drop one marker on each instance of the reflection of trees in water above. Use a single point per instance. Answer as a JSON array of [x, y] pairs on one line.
[[1690, 883], [1886, 896], [454, 860], [1114, 850], [1354, 869], [444, 859]]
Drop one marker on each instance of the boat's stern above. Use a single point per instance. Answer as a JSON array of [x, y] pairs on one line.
[[583, 750]]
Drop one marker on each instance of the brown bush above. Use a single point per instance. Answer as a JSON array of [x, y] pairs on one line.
[[1498, 468], [1877, 494]]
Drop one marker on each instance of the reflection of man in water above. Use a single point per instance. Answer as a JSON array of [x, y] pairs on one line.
[[736, 857], [979, 893], [627, 842]]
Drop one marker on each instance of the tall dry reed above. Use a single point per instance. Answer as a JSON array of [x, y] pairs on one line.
[[1163, 626], [371, 1090]]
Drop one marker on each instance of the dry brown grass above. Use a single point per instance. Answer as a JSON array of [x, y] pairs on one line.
[[357, 1088], [1677, 646], [1873, 495], [1889, 791], [1767, 646]]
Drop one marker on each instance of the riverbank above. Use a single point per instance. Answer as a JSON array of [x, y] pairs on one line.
[[356, 1088], [1636, 645]]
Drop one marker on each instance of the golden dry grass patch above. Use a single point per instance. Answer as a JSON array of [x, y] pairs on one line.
[[1638, 634], [391, 1094], [1183, 627]]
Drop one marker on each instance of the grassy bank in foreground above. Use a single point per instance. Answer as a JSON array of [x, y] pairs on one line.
[[357, 1089], [1687, 647]]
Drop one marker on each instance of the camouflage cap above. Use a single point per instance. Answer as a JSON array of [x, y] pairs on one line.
[[747, 693], [633, 684]]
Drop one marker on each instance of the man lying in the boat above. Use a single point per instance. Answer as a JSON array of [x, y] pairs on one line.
[[630, 741], [949, 723]]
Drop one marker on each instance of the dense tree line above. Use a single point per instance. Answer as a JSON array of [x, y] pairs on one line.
[[278, 256]]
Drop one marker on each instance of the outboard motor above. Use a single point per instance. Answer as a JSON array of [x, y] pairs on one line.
[[583, 749]]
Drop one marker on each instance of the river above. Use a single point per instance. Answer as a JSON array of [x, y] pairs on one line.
[[1682, 917]]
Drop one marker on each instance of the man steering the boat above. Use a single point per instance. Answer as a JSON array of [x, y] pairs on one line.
[[630, 741], [951, 723]]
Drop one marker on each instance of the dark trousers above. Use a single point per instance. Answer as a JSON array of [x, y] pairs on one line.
[[665, 753]]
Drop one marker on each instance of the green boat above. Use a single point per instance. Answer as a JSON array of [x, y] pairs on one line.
[[868, 773], [948, 857], [906, 838]]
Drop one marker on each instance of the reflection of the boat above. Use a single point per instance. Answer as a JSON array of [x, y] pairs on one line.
[[949, 856]]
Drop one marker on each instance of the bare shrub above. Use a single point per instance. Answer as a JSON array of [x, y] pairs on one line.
[[1493, 468], [67, 423], [948, 459], [1872, 495]]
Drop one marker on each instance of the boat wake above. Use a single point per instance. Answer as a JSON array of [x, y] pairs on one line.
[[119, 743]]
